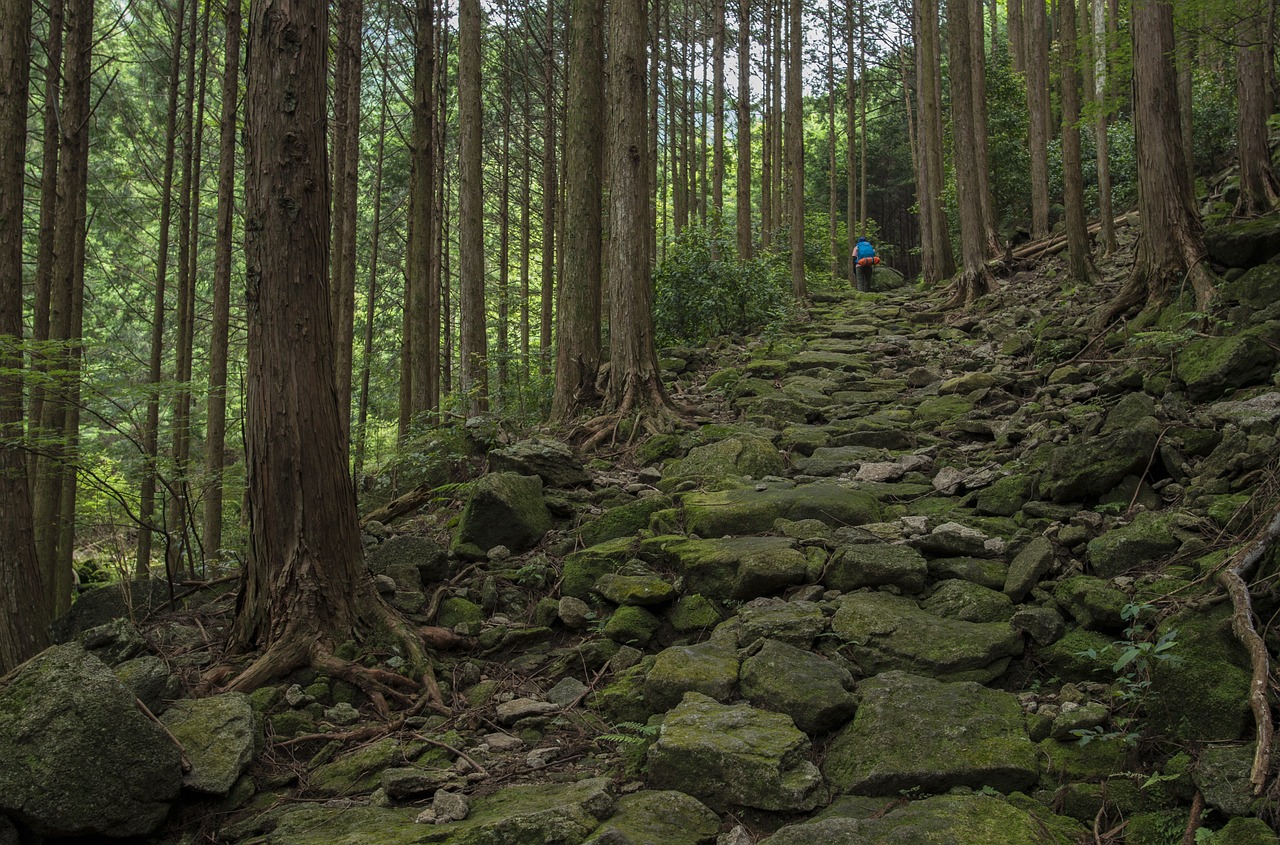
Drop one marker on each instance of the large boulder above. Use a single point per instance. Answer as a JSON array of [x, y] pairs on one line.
[[103, 604], [815, 692], [504, 509], [754, 511], [80, 759], [1210, 366], [1244, 244], [709, 668], [1145, 540], [219, 735], [1089, 467], [410, 560], [917, 733], [877, 565], [796, 622], [735, 756], [653, 817], [738, 568], [727, 460], [885, 632], [1202, 693], [552, 461]]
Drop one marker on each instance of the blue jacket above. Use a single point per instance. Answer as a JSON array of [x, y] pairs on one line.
[[866, 250]]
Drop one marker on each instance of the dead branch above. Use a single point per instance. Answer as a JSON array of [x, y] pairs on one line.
[[1194, 820], [401, 506]]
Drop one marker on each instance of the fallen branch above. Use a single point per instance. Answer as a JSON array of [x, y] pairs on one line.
[[401, 506], [1195, 820], [184, 761], [1233, 578]]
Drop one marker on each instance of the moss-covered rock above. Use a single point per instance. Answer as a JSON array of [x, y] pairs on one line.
[[504, 509], [1031, 564], [835, 460], [735, 756], [1088, 467], [622, 521], [877, 565], [693, 613], [1244, 243], [968, 602], [726, 460], [638, 590], [709, 668], [1005, 496], [1072, 761], [1201, 694], [456, 610], [1094, 603], [987, 573], [623, 699], [1080, 655], [884, 632], [1148, 538], [652, 817], [219, 735], [552, 461], [583, 568], [912, 732], [1210, 366], [1246, 831], [361, 770], [738, 568], [938, 410], [409, 553], [631, 625], [1222, 776], [755, 511], [796, 622], [815, 692]]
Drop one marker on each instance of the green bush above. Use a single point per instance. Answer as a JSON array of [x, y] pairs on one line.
[[703, 290]]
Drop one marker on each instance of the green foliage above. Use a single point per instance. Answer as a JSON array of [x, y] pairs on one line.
[[704, 290]]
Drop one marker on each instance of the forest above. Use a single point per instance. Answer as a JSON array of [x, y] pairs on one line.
[[505, 209]]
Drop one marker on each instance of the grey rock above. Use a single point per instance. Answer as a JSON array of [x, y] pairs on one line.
[[796, 622], [397, 557], [126, 599], [404, 783], [219, 735], [552, 461], [80, 758], [877, 565], [988, 573], [574, 612], [637, 590], [1028, 567], [504, 509], [148, 677], [510, 712], [114, 642], [951, 539], [710, 668], [1045, 625], [1222, 776], [968, 602], [566, 692], [735, 756], [1089, 716], [652, 817], [342, 713], [815, 692], [450, 806], [1148, 538]]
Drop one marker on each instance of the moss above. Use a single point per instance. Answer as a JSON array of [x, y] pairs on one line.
[[1071, 761], [942, 409], [1245, 831], [1069, 658], [1158, 828], [657, 448], [290, 723], [622, 521], [623, 699], [1201, 694], [631, 625], [582, 569], [459, 611], [694, 613]]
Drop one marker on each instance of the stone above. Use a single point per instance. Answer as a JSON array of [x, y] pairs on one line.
[[517, 815], [574, 612], [710, 668], [877, 565], [100, 605], [622, 521], [510, 712], [1084, 718], [912, 732], [1079, 655], [691, 614], [734, 756], [726, 460], [815, 692], [1094, 603], [638, 590], [984, 572], [739, 568], [80, 758], [737, 512], [879, 472], [1088, 467], [1243, 244], [630, 625], [1203, 693], [504, 509], [968, 602], [1145, 540], [1246, 831], [567, 691], [455, 611], [835, 460], [219, 735], [1222, 776], [583, 568], [798, 623], [951, 539], [552, 461], [885, 632], [1005, 496], [148, 677], [1044, 624], [656, 817], [361, 770], [409, 552], [973, 819], [1210, 366], [1028, 567]]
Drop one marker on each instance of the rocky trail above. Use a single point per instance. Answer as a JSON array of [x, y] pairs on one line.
[[913, 577]]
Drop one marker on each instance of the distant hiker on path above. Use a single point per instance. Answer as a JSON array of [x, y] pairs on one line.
[[867, 259]]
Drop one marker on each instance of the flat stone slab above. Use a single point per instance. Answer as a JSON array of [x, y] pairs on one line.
[[912, 732], [754, 511]]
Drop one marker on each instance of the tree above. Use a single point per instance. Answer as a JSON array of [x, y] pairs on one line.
[[1170, 249], [1079, 262], [346, 161], [304, 588], [472, 334], [1037, 66], [717, 86], [1259, 189], [578, 311], [744, 130], [1103, 31], [975, 278], [24, 601], [635, 389], [423, 284], [795, 145], [938, 262]]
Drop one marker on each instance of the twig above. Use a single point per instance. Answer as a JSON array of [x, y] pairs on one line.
[[1232, 578], [447, 747], [182, 752], [1150, 460]]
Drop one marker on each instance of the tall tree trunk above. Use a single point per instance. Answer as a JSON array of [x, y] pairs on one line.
[[744, 130], [1258, 187], [795, 145], [1185, 62], [550, 193], [833, 202], [346, 166], [1017, 35], [938, 262], [423, 292], [371, 295], [1170, 249], [50, 145], [975, 279], [780, 210], [471, 306], [24, 599], [717, 108], [1078, 259], [767, 214], [1037, 62], [69, 226], [305, 588], [503, 345], [216, 425], [981, 136], [852, 48], [526, 233], [155, 374], [1103, 30], [578, 311]]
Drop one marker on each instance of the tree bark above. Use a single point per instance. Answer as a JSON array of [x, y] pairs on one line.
[[305, 587], [744, 131], [1258, 186], [216, 412], [24, 600], [975, 279], [578, 311], [1017, 35], [1037, 63], [937, 260], [1079, 261], [981, 138], [472, 335], [1103, 30], [346, 164], [767, 218], [833, 203], [717, 109], [795, 146], [851, 146], [423, 293], [550, 192]]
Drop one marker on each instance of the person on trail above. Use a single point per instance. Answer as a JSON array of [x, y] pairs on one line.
[[867, 259]]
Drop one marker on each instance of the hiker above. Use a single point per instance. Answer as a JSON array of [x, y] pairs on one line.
[[867, 260]]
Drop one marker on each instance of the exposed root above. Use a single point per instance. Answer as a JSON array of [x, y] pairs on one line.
[[1233, 577], [1195, 820], [968, 285], [645, 404]]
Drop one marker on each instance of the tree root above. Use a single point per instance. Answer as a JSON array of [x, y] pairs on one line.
[[1195, 820], [646, 404], [1233, 578]]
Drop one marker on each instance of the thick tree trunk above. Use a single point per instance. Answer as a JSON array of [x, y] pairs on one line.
[[1103, 29], [371, 295], [978, 65], [578, 311], [1037, 63], [1078, 258], [305, 587], [472, 334], [1017, 35], [744, 130], [423, 292], [795, 146], [1185, 63], [937, 258], [975, 279], [1258, 187], [833, 202], [219, 330], [24, 600], [550, 193], [851, 147]]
